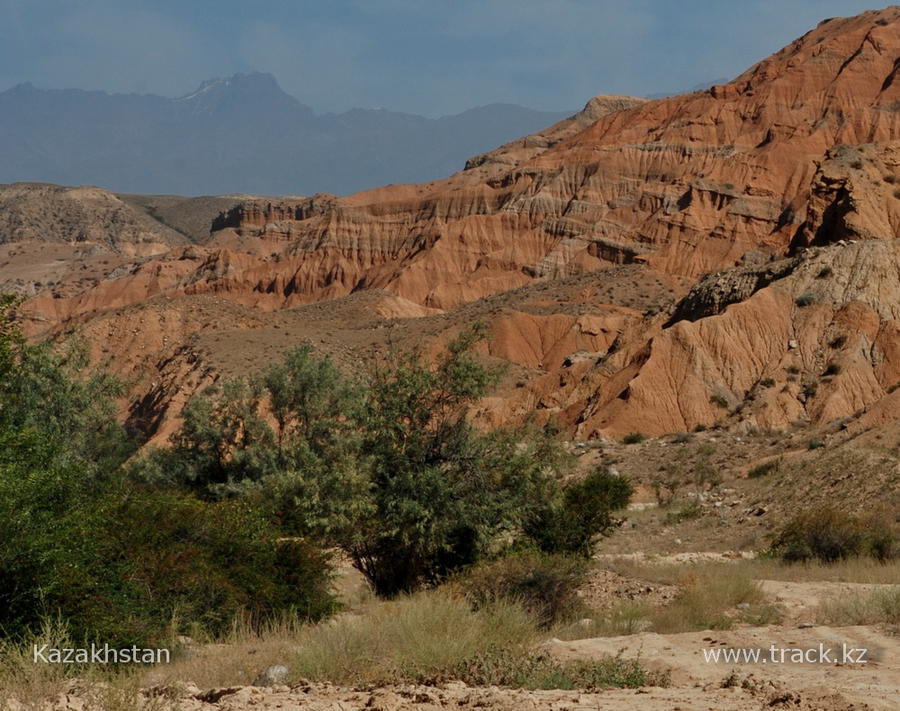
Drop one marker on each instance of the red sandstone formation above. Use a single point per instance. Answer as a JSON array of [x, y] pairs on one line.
[[630, 201]]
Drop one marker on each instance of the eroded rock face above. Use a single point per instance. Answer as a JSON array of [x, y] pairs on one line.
[[776, 196]]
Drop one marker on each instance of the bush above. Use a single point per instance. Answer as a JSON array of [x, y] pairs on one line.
[[762, 470], [688, 512], [805, 299], [115, 562], [767, 382], [815, 444], [137, 566], [719, 400], [832, 369], [825, 272], [828, 535], [546, 585], [571, 522], [838, 341], [633, 438]]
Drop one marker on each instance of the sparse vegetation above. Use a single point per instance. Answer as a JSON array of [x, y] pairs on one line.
[[434, 637], [838, 342], [633, 438], [761, 470], [871, 607], [708, 599], [767, 382], [832, 369], [546, 585], [688, 512], [719, 401], [805, 299], [825, 272]]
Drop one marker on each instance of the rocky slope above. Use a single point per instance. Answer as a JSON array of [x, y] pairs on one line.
[[723, 257]]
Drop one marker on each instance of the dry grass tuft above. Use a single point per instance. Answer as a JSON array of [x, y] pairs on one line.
[[873, 607], [417, 638]]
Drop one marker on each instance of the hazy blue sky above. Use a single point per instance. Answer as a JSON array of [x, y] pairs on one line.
[[430, 57]]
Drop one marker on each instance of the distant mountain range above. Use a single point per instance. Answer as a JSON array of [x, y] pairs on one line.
[[240, 134]]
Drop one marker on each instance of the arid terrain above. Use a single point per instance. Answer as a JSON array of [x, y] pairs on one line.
[[702, 292]]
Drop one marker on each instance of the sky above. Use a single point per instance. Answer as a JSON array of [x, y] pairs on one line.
[[429, 57]]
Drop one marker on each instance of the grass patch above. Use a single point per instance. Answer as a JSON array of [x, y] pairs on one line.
[[436, 637], [32, 686], [688, 512], [541, 671], [708, 599], [761, 470], [873, 607], [415, 638]]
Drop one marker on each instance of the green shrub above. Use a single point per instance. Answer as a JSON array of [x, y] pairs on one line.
[[767, 382], [129, 567], [825, 272], [832, 369], [688, 512], [633, 438], [828, 535], [571, 521], [805, 299], [719, 400], [546, 585], [115, 562], [762, 470], [815, 444]]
